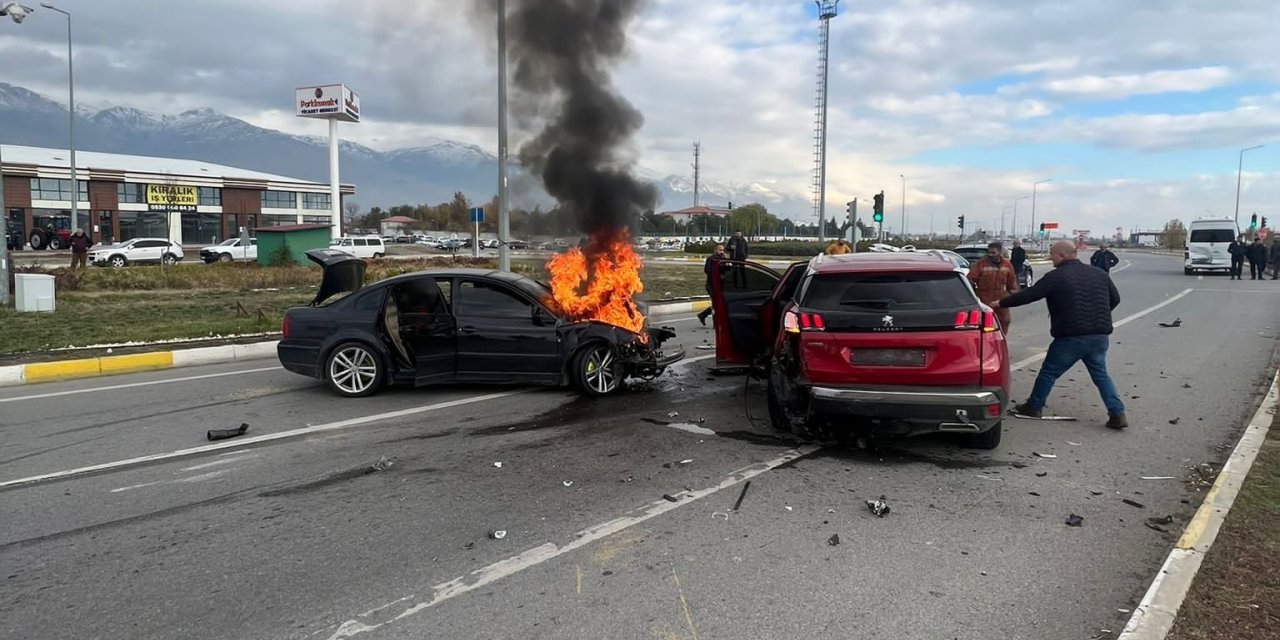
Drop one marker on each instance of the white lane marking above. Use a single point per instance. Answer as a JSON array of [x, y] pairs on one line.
[[692, 428], [137, 486], [219, 462], [195, 478], [1040, 356], [548, 551], [132, 385], [674, 320], [1122, 267], [292, 433]]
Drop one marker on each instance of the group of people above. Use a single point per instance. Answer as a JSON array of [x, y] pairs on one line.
[[1257, 255]]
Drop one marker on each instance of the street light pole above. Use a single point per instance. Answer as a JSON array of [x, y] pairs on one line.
[[1239, 172], [1013, 224], [71, 123], [904, 205], [504, 210], [17, 13], [1002, 212], [1033, 201]]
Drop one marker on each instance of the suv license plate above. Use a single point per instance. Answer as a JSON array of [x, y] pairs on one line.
[[888, 357]]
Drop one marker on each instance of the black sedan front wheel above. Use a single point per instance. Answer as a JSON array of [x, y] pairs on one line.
[[353, 370], [597, 370]]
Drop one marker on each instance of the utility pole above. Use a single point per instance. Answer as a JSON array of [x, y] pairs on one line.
[[504, 210], [826, 11], [697, 171]]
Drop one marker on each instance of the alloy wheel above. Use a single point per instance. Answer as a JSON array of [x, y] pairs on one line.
[[600, 372], [353, 370]]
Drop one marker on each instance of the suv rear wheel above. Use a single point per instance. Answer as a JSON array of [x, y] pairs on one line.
[[118, 261], [988, 439]]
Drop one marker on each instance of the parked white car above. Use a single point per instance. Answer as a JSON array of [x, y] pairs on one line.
[[230, 250], [136, 251], [360, 246]]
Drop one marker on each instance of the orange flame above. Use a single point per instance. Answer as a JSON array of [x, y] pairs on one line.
[[599, 284]]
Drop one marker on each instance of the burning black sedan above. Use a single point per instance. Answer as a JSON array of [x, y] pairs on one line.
[[456, 325]]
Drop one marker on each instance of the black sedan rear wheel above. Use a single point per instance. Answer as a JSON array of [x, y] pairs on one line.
[[354, 370], [597, 370]]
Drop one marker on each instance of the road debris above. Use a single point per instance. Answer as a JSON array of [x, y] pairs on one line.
[[468, 546], [878, 507], [704, 347], [1160, 520], [1174, 421], [382, 464], [670, 498], [1158, 478], [1074, 444], [1032, 493], [673, 414], [719, 514], [834, 540], [498, 465], [498, 534], [738, 503], [1074, 520], [1133, 503], [1171, 325], [787, 507], [1042, 474], [1043, 455], [223, 434], [686, 461], [567, 483]]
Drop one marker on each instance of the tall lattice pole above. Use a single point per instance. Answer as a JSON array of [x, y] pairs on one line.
[[697, 171], [826, 11]]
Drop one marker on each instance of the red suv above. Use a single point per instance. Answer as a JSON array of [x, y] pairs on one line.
[[893, 343]]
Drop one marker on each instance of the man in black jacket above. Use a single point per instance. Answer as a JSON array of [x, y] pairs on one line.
[[1257, 256], [737, 249], [1080, 300], [1237, 249], [1104, 259]]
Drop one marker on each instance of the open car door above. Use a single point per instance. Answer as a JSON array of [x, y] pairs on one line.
[[739, 290]]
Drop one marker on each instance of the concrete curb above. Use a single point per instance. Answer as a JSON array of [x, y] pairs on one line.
[[157, 360], [1154, 616]]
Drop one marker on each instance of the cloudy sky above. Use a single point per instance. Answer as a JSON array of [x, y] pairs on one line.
[[1137, 110]]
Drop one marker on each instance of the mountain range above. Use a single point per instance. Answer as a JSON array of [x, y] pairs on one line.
[[429, 173]]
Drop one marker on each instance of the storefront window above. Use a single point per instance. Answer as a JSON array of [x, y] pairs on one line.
[[210, 197], [105, 232], [131, 192], [316, 201], [138, 224], [56, 189], [17, 224], [279, 200], [324, 220], [201, 228]]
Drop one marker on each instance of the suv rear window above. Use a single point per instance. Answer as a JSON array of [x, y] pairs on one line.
[[1212, 235], [887, 292]]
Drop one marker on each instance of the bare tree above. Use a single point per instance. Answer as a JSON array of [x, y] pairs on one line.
[[351, 208]]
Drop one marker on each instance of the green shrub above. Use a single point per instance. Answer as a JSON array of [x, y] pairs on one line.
[[282, 257]]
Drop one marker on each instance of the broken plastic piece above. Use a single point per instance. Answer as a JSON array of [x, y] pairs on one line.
[[670, 498], [1043, 455], [1177, 322], [498, 534], [498, 465], [567, 483], [834, 540], [1042, 474], [686, 461], [1074, 520], [382, 464], [223, 434], [738, 503], [878, 507], [1133, 503], [787, 507], [1158, 478], [1174, 421], [672, 414]]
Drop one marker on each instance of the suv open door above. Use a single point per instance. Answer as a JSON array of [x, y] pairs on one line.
[[739, 291]]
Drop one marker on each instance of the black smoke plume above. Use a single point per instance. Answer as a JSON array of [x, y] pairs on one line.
[[561, 53]]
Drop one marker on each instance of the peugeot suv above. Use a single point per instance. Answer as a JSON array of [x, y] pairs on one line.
[[883, 343]]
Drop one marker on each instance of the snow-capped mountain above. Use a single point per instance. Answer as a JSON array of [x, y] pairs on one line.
[[429, 173]]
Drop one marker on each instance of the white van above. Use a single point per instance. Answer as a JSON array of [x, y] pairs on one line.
[[1207, 242], [360, 246]]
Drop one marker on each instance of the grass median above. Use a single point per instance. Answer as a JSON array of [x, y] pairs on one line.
[[1237, 591], [101, 306]]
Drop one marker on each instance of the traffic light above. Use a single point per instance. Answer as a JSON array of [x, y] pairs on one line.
[[877, 211], [961, 221], [1041, 229], [848, 208], [1264, 222], [1253, 221]]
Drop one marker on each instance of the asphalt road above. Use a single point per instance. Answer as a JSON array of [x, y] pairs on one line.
[[314, 535]]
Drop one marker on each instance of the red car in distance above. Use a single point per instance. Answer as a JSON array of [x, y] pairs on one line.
[[880, 343]]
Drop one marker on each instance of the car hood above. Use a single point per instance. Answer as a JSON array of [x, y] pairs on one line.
[[343, 273]]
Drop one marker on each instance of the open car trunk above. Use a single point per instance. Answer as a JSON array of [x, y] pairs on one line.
[[343, 273]]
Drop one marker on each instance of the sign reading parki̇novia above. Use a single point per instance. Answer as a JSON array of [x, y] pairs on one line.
[[328, 101]]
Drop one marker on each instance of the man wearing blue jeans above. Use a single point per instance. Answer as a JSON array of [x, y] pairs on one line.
[[1080, 300]]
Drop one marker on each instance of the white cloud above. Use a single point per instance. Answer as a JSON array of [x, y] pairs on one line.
[[1122, 86]]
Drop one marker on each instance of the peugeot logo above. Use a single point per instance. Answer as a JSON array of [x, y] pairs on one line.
[[886, 321]]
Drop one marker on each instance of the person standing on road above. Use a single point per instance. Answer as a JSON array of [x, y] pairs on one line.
[[1080, 300], [737, 249], [80, 244], [1018, 256], [838, 248], [1104, 259], [994, 278], [716, 256], [1238, 248], [1257, 255], [1274, 259]]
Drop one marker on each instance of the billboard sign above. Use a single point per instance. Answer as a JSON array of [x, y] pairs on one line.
[[329, 101], [172, 197]]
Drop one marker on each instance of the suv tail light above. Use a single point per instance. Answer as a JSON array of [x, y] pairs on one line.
[[975, 319], [795, 322], [284, 327]]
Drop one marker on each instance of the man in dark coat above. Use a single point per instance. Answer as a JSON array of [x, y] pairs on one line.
[[716, 256], [1237, 249], [1104, 259], [1080, 300], [1257, 256], [737, 249], [80, 243]]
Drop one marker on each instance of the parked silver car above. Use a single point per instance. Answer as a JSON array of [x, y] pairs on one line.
[[136, 251]]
